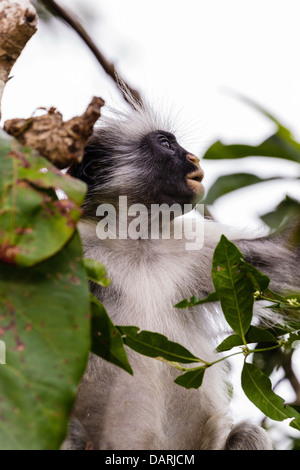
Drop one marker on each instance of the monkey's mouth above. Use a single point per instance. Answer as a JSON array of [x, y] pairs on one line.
[[194, 179]]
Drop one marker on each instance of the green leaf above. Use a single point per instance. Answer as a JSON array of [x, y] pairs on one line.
[[259, 280], [293, 340], [253, 335], [42, 174], [258, 389], [233, 286], [282, 144], [96, 272], [278, 145], [44, 322], [5, 144], [287, 209], [191, 379], [106, 339], [196, 301], [35, 223], [230, 342], [290, 302], [155, 345], [228, 183]]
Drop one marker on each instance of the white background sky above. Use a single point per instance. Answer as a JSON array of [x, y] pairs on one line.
[[180, 54]]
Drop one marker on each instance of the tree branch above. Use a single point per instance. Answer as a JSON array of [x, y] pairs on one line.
[[18, 22], [107, 66], [61, 142]]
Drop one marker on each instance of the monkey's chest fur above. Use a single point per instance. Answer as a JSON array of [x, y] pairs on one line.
[[148, 410]]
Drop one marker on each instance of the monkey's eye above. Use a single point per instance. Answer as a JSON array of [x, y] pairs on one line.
[[164, 142]]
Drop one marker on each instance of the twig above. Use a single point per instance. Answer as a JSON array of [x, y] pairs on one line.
[[107, 66]]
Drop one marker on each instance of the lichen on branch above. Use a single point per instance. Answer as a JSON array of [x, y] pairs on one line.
[[62, 143]]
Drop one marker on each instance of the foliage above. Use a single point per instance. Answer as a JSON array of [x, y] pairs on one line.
[[237, 285], [35, 224], [47, 341], [45, 325], [281, 145]]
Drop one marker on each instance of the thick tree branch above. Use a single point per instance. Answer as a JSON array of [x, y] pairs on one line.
[[18, 22], [60, 142], [107, 66]]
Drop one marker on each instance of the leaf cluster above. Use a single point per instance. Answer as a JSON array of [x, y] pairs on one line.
[[237, 286], [44, 299], [281, 145]]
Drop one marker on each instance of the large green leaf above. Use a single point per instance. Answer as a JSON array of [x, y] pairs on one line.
[[275, 146], [281, 144], [258, 389], [35, 223], [253, 335], [44, 322], [287, 209], [233, 287], [228, 183], [155, 345]]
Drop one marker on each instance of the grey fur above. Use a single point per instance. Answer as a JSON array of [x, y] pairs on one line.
[[148, 277], [255, 437]]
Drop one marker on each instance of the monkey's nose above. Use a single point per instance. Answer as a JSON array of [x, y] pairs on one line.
[[194, 178], [192, 158], [199, 173]]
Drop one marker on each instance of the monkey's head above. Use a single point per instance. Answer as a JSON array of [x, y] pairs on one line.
[[134, 155]]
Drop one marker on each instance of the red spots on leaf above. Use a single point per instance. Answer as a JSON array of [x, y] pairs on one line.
[[8, 253]]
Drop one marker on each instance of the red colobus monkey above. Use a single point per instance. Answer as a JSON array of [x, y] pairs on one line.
[[137, 156]]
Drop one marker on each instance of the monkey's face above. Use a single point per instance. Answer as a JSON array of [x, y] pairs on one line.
[[149, 169], [173, 174]]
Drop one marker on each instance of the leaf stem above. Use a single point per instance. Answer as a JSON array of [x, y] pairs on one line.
[[248, 351], [280, 343]]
